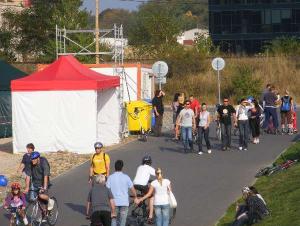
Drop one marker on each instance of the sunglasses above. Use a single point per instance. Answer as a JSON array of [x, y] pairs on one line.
[[225, 101]]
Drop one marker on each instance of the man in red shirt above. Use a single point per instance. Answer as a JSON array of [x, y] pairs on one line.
[[195, 106]]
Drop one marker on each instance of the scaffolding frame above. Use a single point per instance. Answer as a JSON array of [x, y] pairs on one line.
[[117, 50]]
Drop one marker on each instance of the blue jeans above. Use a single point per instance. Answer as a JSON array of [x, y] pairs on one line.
[[244, 133], [269, 111], [162, 213], [187, 137], [120, 220], [226, 135]]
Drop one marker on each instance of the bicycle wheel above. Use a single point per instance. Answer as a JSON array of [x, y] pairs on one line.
[[34, 214], [53, 214]]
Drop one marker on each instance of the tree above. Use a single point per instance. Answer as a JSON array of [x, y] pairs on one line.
[[33, 28], [287, 46]]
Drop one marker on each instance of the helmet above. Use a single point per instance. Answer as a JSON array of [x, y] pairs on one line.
[[3, 181], [35, 155], [147, 160], [15, 185], [246, 190], [98, 145], [250, 99]]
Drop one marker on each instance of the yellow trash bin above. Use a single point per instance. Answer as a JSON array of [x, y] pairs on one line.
[[139, 115]]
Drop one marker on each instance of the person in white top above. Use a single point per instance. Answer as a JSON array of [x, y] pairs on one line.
[[160, 188], [142, 179], [243, 123], [187, 123], [203, 129]]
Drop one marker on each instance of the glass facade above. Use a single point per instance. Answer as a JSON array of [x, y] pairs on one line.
[[246, 25]]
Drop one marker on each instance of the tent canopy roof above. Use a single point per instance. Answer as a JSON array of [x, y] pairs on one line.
[[66, 73], [8, 73]]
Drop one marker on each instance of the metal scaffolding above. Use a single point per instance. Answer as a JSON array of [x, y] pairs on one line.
[[63, 39]]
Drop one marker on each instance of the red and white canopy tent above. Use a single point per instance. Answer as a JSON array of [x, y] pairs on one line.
[[66, 106]]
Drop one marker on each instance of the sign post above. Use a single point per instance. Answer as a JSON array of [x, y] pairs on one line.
[[160, 70], [218, 64]]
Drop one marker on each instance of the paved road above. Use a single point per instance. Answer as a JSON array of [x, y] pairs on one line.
[[204, 185]]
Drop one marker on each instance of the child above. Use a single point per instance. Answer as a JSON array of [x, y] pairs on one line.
[[26, 161], [16, 201]]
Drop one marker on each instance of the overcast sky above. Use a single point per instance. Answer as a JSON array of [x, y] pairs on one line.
[[104, 4]]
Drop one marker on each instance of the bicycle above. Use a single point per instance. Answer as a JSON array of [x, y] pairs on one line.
[[138, 214], [16, 218], [270, 170], [218, 130], [38, 213]]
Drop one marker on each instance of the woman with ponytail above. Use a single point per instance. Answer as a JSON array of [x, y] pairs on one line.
[[160, 188]]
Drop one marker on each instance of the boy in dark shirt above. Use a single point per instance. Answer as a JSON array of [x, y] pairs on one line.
[[158, 106], [225, 112], [26, 160]]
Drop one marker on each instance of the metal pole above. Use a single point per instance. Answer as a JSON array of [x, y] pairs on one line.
[[97, 31], [219, 86], [159, 77]]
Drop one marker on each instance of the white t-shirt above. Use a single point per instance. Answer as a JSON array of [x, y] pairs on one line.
[[143, 174], [186, 117], [242, 112], [161, 195], [203, 118]]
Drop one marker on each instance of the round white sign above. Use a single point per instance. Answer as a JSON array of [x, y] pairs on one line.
[[160, 68], [218, 64]]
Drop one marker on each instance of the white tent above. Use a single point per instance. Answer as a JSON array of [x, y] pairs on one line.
[[66, 106]]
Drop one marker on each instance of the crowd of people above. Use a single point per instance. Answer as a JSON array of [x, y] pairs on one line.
[[192, 120], [109, 196]]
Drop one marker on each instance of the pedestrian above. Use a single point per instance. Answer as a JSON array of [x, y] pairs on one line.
[[203, 129], [286, 112], [225, 113], [160, 188], [262, 97], [195, 106], [26, 160], [243, 123], [120, 184], [100, 162], [177, 128], [271, 100], [186, 121], [175, 105], [158, 106], [101, 203], [254, 121]]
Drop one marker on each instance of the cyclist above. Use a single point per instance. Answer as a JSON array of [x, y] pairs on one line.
[[100, 162], [142, 179], [37, 179], [17, 202]]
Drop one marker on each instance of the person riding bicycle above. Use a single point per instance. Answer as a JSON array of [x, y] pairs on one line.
[[37, 179], [142, 179], [16, 202], [100, 162]]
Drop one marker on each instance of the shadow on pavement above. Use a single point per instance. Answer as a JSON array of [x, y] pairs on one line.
[[76, 207], [178, 150]]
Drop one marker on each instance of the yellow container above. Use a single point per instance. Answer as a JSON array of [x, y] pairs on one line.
[[139, 115]]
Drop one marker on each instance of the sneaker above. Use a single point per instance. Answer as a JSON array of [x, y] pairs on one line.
[[200, 153], [50, 204], [25, 221], [223, 149], [240, 148], [257, 141], [245, 149], [209, 151]]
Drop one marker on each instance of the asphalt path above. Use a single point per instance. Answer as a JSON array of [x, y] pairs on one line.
[[203, 185]]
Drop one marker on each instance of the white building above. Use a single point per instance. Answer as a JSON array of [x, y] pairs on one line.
[[188, 37]]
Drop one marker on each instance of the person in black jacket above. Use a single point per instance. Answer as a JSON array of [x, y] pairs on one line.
[[253, 211]]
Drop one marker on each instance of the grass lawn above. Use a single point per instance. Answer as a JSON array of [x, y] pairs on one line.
[[281, 192]]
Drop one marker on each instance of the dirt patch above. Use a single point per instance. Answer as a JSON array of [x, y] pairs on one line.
[[60, 161]]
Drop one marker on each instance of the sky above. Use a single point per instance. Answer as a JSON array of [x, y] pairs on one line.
[[104, 4]]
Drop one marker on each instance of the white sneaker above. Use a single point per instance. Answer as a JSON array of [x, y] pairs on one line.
[[200, 153], [50, 204], [209, 151], [257, 140], [25, 221], [245, 149], [240, 148]]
